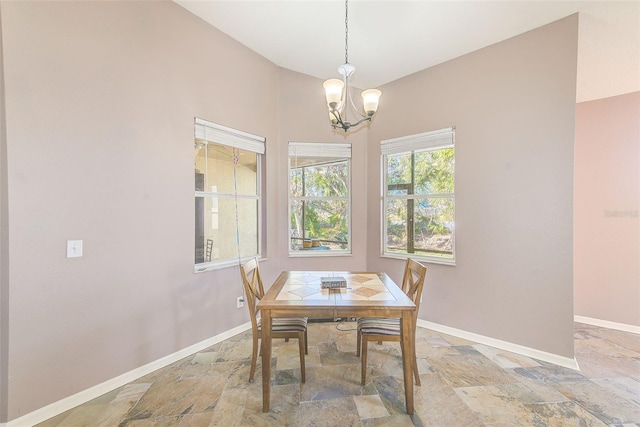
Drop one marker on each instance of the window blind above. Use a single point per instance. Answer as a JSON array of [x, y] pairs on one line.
[[319, 149], [215, 133], [443, 138]]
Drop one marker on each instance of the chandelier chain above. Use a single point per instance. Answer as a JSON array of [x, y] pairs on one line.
[[346, 31]]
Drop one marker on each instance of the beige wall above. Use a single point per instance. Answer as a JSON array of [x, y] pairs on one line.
[[4, 247], [513, 108], [100, 99], [607, 200]]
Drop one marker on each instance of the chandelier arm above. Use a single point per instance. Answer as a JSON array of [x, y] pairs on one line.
[[336, 114], [355, 108], [346, 125], [364, 119], [346, 96]]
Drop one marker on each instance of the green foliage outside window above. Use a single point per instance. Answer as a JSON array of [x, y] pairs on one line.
[[420, 203], [319, 202]]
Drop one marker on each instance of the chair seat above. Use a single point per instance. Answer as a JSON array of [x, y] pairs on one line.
[[379, 325], [279, 324]]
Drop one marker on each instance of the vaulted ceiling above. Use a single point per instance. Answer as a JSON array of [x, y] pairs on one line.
[[392, 39]]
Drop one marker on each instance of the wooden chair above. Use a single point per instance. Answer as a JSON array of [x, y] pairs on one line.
[[290, 327], [382, 329]]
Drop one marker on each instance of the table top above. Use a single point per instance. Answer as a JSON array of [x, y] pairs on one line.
[[300, 290]]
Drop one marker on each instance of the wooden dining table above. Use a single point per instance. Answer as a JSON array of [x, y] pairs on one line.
[[367, 294]]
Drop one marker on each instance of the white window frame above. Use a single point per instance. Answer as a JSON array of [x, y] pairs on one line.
[[431, 141], [319, 149], [218, 134]]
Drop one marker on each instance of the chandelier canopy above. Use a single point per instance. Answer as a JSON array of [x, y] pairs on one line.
[[338, 91]]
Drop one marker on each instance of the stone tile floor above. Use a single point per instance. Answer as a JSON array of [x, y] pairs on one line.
[[463, 384]]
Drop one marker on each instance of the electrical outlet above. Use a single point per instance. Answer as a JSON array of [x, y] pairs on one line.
[[239, 302], [74, 248]]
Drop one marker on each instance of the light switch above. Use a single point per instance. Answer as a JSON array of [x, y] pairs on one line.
[[74, 248]]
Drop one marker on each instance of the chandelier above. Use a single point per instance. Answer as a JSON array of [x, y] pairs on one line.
[[338, 92]]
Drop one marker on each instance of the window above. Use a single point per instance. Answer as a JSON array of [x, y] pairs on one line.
[[227, 195], [419, 197], [319, 202]]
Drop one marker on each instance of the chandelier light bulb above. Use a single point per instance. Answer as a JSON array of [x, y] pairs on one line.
[[370, 98], [333, 91]]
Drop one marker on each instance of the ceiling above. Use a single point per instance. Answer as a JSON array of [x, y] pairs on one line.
[[392, 39]]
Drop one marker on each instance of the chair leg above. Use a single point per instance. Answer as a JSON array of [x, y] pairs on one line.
[[301, 344], [306, 343], [414, 362], [416, 374], [254, 357], [358, 343], [363, 369]]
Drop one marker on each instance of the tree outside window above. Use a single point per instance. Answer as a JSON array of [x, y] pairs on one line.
[[319, 204], [419, 196]]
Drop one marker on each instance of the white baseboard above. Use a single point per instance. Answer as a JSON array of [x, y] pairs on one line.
[[608, 324], [84, 396], [566, 362], [57, 408]]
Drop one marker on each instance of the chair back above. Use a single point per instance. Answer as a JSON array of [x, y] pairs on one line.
[[413, 281], [253, 289], [209, 250]]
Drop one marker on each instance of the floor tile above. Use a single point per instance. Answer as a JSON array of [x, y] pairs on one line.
[[370, 406], [329, 413], [463, 384]]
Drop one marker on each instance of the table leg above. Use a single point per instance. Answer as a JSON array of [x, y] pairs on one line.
[[266, 359], [407, 358]]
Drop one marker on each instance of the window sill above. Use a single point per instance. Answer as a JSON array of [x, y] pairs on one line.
[[210, 266], [320, 253], [422, 259]]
